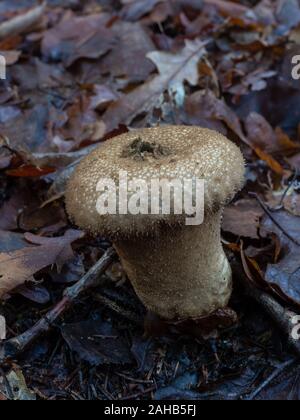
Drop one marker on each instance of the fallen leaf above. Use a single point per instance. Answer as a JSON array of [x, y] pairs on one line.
[[36, 74], [11, 57], [8, 113], [27, 131], [174, 70], [19, 387], [285, 388], [135, 9], [262, 135], [159, 10], [229, 8], [128, 58], [288, 15], [243, 218], [97, 343], [295, 161], [292, 203], [22, 22], [102, 97], [19, 266], [5, 161], [11, 241], [180, 387], [285, 274], [142, 350], [9, 211], [35, 293], [203, 108], [78, 37]]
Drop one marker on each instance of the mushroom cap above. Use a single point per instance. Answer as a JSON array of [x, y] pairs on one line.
[[165, 152]]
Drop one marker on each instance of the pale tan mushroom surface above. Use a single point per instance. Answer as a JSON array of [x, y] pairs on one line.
[[178, 271]]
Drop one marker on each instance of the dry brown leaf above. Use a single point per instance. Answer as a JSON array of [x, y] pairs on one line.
[[11, 57], [174, 70], [205, 109], [229, 8], [128, 58], [242, 218], [261, 134], [135, 9], [23, 22], [78, 37], [19, 266], [284, 274]]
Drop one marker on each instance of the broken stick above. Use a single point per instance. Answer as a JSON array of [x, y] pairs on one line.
[[11, 348]]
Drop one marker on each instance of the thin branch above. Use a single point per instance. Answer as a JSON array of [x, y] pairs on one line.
[[11, 348]]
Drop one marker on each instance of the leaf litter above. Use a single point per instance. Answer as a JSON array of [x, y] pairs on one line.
[[79, 74]]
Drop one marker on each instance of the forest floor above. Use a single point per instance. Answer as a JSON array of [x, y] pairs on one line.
[[79, 73]]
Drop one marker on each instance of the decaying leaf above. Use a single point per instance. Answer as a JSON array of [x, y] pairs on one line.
[[204, 109], [19, 387], [86, 72], [19, 266], [243, 218], [68, 43], [174, 70], [135, 9], [285, 274], [97, 342], [128, 58], [262, 135]]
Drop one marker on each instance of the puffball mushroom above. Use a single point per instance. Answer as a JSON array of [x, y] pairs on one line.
[[178, 271]]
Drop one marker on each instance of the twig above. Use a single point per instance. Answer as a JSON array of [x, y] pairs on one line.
[[268, 212], [22, 23], [15, 346], [274, 309], [270, 379]]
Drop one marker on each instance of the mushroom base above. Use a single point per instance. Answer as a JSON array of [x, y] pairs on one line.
[[182, 272]]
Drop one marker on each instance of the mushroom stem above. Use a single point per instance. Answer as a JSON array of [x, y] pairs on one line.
[[182, 272]]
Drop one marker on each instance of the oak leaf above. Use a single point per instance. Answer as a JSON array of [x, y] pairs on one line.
[[19, 266], [174, 71]]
